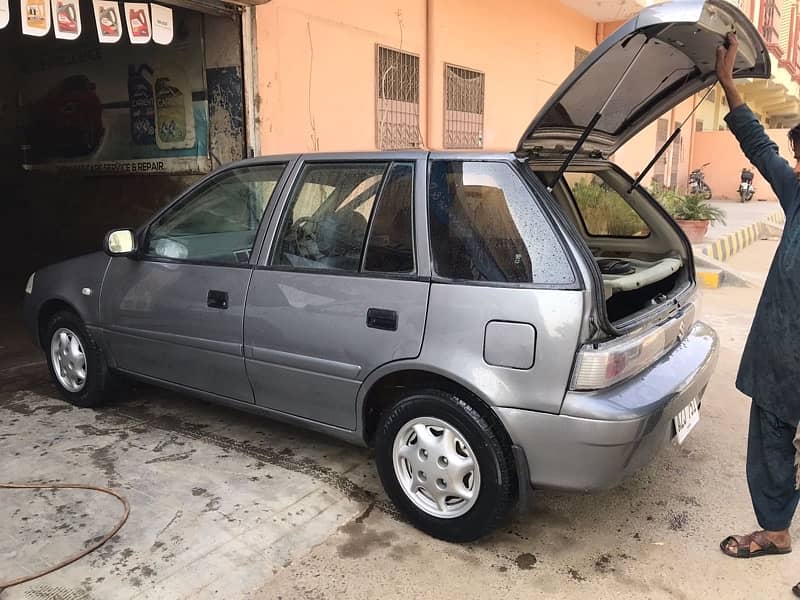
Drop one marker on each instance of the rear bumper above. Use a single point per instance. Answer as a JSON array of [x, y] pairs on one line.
[[601, 437]]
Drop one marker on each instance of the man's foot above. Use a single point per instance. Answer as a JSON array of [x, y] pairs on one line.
[[758, 543]]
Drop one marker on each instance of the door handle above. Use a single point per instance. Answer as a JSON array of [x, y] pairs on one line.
[[217, 299], [379, 318]]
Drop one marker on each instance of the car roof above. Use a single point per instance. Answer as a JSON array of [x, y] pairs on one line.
[[374, 155]]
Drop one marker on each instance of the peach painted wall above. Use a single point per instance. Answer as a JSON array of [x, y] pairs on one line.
[[524, 48], [325, 100], [634, 156], [722, 150]]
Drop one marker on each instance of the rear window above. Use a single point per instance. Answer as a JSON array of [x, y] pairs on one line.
[[486, 226], [603, 211]]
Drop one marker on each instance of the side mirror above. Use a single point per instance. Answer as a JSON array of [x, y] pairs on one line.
[[120, 242]]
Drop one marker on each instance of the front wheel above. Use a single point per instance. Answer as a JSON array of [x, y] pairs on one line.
[[444, 466], [707, 193], [75, 361]]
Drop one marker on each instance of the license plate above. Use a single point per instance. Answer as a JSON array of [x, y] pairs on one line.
[[686, 420]]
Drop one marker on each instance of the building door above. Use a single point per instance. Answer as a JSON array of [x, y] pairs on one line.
[[676, 160], [660, 169]]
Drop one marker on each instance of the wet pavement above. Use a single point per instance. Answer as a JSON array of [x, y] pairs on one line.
[[228, 505], [220, 500]]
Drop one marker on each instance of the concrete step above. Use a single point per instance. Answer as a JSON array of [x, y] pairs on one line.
[[729, 244]]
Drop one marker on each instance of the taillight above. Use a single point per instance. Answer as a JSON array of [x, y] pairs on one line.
[[600, 366]]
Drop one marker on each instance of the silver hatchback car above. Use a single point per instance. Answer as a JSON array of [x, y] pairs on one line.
[[488, 322]]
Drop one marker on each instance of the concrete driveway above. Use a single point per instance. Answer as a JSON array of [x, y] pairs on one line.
[[220, 501], [226, 505]]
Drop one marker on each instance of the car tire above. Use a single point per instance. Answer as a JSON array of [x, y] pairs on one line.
[[75, 361], [424, 444]]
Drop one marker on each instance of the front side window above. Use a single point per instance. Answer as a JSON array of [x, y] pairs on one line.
[[486, 226], [604, 212], [218, 223]]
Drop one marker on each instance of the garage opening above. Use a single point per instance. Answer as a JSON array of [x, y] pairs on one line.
[[95, 136]]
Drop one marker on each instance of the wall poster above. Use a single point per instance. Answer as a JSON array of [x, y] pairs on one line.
[[119, 108]]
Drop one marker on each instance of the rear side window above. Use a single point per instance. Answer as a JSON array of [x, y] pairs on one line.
[[328, 217], [603, 211], [486, 226], [350, 218]]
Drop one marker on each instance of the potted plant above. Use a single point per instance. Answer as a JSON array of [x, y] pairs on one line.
[[692, 212]]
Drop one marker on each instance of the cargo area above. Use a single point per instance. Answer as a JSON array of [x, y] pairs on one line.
[[642, 259]]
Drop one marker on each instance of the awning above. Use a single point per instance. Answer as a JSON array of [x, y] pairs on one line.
[[773, 98]]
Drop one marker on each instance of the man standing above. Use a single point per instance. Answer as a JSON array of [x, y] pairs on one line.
[[770, 369]]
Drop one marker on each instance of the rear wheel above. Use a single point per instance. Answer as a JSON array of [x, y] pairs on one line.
[[444, 466], [76, 362]]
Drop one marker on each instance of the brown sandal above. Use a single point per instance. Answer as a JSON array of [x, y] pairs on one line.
[[767, 546]]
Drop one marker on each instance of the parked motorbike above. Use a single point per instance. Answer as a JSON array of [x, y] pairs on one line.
[[746, 189], [697, 183]]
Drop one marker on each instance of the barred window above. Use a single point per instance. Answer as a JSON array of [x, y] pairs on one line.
[[464, 99], [397, 100]]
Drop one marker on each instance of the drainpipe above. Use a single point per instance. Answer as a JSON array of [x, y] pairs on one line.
[[250, 78], [428, 73], [690, 158]]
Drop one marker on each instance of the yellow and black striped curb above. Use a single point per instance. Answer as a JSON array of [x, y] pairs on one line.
[[725, 247], [709, 278], [776, 218]]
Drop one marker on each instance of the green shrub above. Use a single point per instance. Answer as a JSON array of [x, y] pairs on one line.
[[687, 207], [604, 212]]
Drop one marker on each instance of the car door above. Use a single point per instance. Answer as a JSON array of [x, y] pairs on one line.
[[175, 311], [339, 292]]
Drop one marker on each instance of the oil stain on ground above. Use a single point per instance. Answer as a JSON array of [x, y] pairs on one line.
[[363, 540], [525, 561]]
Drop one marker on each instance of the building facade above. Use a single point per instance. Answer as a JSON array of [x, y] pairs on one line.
[[450, 74]]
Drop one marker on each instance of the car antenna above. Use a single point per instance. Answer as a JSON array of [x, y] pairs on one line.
[[669, 141], [598, 115]]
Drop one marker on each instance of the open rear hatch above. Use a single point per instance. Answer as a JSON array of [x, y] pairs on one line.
[[648, 66]]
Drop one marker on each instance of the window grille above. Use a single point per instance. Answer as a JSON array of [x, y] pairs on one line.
[[464, 101], [397, 100]]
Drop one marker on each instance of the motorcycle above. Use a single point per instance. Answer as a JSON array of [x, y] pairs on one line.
[[697, 183], [746, 189]]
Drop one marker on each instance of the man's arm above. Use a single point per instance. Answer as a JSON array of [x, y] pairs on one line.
[[757, 146]]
